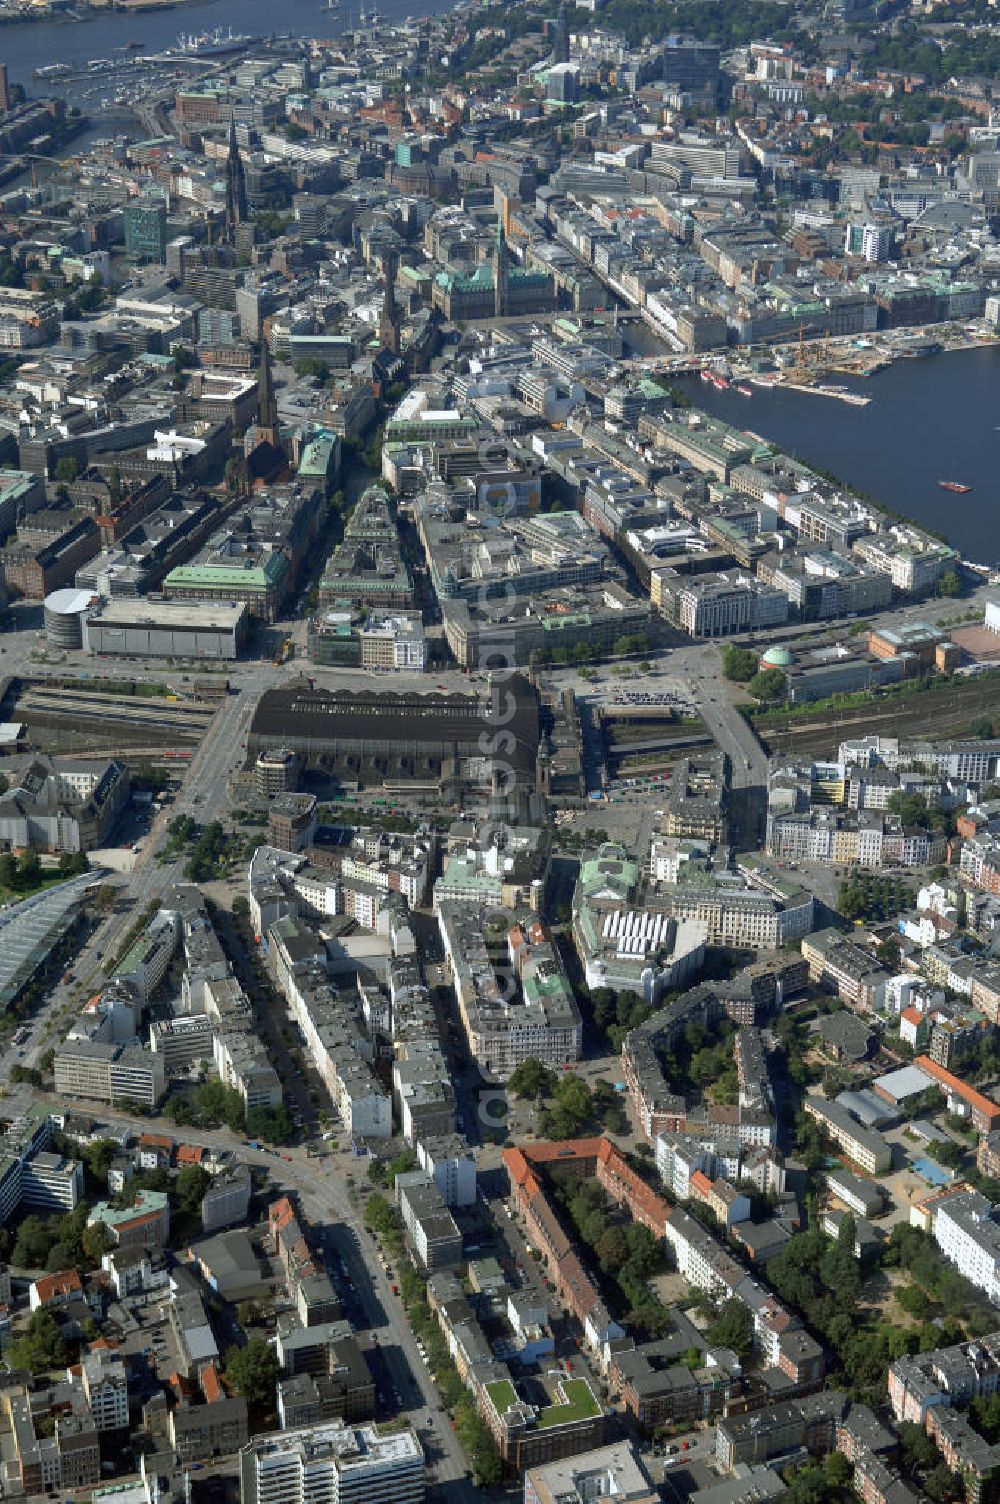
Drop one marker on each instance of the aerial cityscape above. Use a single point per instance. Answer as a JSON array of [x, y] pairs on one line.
[[499, 752]]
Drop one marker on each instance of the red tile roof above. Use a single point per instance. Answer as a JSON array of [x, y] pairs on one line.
[[66, 1282]]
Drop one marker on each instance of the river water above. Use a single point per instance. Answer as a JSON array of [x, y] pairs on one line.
[[933, 418], [25, 46]]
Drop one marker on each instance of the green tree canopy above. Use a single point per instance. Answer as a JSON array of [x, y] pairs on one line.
[[531, 1080], [253, 1372], [768, 685], [739, 664]]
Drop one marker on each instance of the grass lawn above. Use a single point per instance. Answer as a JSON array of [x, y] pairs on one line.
[[503, 1394], [49, 880], [580, 1405]]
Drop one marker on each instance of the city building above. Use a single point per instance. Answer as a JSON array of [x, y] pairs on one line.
[[140, 629], [348, 1464]]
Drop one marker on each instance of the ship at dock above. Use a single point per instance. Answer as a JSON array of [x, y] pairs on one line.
[[208, 44]]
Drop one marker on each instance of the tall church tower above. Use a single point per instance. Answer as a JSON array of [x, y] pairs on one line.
[[560, 41], [267, 405], [236, 186], [389, 319], [501, 270]]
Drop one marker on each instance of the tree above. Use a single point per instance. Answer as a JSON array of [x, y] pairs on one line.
[[888, 954], [570, 1111], [215, 1103], [250, 1313], [532, 1080], [272, 1124], [612, 1248], [733, 1328], [847, 1233], [949, 584], [919, 1452], [97, 1159], [31, 1248], [739, 664], [768, 684], [67, 469], [839, 1471], [42, 1347], [942, 1484], [984, 1412], [487, 1469], [189, 1188], [253, 1372], [96, 1241], [310, 366]]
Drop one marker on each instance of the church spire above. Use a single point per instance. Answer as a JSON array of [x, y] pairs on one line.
[[389, 319], [236, 185], [500, 269], [267, 406]]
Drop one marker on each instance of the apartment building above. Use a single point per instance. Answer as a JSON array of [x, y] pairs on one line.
[[346, 1464], [227, 1199], [845, 968], [451, 1164], [343, 1390], [809, 1423], [333, 1026], [529, 1432], [432, 1229], [102, 1374], [614, 1472], [240, 1056], [144, 1223], [953, 1375], [965, 1230], [67, 1458], [514, 998], [213, 1427], [55, 1185], [658, 1388], [147, 961], [311, 1288], [864, 1146]]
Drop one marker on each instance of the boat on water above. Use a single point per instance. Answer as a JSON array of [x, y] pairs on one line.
[[720, 383], [954, 485], [216, 43], [744, 390], [52, 70], [706, 375]]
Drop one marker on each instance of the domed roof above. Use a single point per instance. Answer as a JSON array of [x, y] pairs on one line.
[[777, 657]]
